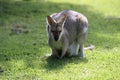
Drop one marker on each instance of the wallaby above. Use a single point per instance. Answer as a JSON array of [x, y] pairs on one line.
[[67, 33]]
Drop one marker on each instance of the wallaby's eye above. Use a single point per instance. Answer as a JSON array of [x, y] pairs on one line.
[[56, 32], [52, 31], [59, 31]]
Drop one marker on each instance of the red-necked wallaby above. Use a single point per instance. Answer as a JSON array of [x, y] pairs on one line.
[[67, 33]]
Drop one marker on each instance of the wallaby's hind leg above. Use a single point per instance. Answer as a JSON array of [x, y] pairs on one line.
[[81, 41], [81, 51]]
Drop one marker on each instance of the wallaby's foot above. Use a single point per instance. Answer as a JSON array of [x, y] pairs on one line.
[[81, 55], [59, 57], [54, 56]]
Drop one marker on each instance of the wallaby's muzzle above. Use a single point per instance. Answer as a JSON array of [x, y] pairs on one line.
[[56, 37]]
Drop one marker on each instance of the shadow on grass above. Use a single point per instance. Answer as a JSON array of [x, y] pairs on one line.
[[55, 63]]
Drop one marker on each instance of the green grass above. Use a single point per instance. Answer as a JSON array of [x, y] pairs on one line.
[[24, 56]]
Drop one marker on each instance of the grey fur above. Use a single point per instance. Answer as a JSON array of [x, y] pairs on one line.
[[73, 35]]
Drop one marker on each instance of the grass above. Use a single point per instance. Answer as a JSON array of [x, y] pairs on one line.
[[24, 56]]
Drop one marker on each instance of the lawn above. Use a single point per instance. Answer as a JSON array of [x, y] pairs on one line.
[[25, 55]]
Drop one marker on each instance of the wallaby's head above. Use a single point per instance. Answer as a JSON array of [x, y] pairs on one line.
[[56, 26]]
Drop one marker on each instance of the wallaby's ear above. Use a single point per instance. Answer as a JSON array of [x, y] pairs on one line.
[[62, 19], [50, 20]]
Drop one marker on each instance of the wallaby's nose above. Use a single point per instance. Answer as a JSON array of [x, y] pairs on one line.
[[56, 37]]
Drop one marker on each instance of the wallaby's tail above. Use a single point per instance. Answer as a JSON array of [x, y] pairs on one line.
[[91, 47]]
